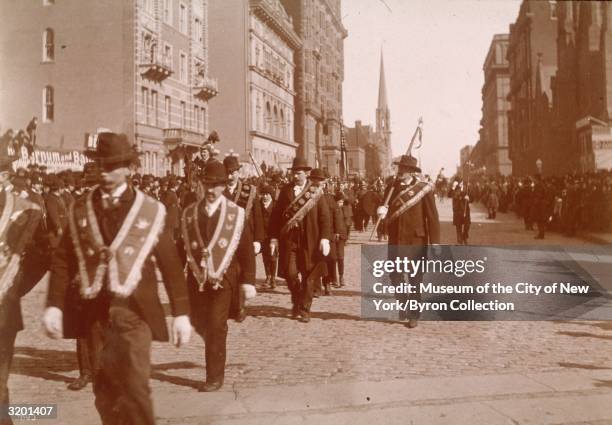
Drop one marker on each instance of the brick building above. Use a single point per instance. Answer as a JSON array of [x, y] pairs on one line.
[[582, 110], [495, 105], [252, 51], [133, 66], [319, 76], [532, 55]]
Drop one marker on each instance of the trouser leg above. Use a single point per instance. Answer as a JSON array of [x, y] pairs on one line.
[[215, 335], [121, 381], [7, 349]]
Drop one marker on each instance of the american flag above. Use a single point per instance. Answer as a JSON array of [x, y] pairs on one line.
[[344, 170]]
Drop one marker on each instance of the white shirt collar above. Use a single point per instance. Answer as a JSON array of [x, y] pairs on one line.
[[212, 207], [117, 192], [298, 188]]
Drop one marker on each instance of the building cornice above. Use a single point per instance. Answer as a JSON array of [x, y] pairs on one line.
[[274, 19]]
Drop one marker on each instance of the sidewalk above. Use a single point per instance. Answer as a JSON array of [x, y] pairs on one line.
[[557, 398]]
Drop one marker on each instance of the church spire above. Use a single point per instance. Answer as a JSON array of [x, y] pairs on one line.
[[382, 86]]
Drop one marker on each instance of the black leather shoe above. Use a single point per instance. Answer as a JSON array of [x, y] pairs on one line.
[[208, 387], [272, 283], [304, 319], [327, 289], [79, 383], [241, 315], [295, 313]]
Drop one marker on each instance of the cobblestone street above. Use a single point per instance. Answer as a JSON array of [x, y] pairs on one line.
[[336, 347]]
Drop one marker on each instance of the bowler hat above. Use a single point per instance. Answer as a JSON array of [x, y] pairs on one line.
[[113, 148], [214, 173], [408, 161], [231, 163], [300, 163], [317, 174]]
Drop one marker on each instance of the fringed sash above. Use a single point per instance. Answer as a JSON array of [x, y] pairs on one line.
[[209, 262], [299, 207], [408, 198], [123, 260], [18, 216], [244, 196]]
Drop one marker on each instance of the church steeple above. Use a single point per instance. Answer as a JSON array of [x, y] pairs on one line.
[[383, 116]]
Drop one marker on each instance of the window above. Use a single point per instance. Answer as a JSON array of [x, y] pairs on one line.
[[48, 45], [48, 104], [198, 29], [203, 119], [268, 118], [145, 104], [183, 18], [154, 104], [168, 12], [275, 130], [553, 9], [183, 67], [168, 111], [168, 56], [196, 117], [148, 6], [183, 115]]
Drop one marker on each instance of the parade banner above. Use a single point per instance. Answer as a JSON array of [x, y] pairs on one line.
[[54, 160]]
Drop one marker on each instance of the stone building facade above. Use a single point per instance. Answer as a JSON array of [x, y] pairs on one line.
[[495, 106], [253, 45], [133, 66], [319, 77]]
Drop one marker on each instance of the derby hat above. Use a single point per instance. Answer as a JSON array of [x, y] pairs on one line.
[[231, 163], [113, 149], [409, 162], [214, 174], [317, 174], [300, 163]]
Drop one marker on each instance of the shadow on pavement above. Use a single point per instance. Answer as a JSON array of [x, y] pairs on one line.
[[44, 364], [582, 366], [584, 335]]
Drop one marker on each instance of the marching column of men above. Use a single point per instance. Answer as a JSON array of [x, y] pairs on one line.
[[110, 244]]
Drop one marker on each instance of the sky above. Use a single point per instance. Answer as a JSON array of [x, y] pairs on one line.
[[434, 51]]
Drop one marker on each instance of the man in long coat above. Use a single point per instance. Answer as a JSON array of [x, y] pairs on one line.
[[412, 219], [301, 230], [115, 230]]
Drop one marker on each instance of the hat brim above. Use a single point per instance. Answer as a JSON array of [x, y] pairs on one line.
[[301, 168], [204, 180], [408, 167]]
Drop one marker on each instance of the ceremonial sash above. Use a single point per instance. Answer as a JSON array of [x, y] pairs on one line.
[[299, 207], [123, 260], [209, 262], [18, 220], [408, 198], [244, 196]]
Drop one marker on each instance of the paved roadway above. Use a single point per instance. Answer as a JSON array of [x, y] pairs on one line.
[[280, 364]]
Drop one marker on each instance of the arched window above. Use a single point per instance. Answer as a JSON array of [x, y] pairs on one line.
[[257, 114], [282, 125], [48, 45], [275, 130], [268, 118], [48, 104]]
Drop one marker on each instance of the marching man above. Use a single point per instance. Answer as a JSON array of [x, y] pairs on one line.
[[114, 233], [412, 219], [219, 247], [23, 262], [245, 196], [300, 228]]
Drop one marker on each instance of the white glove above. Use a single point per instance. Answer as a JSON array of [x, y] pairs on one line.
[[257, 247], [181, 330], [324, 247], [382, 211], [248, 290], [273, 246], [52, 321]]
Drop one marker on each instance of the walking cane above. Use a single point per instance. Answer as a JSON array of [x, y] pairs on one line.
[[419, 131]]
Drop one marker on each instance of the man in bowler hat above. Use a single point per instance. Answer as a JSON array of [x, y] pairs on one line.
[[300, 228], [412, 220], [114, 232], [219, 248]]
